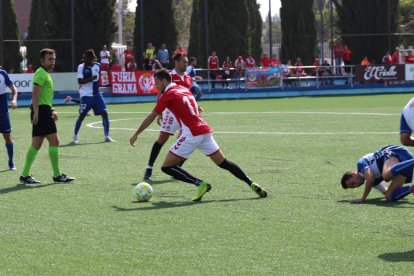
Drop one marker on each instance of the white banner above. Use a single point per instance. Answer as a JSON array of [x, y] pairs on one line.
[[61, 82], [409, 72]]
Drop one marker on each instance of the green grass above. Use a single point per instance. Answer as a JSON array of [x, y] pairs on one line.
[[296, 148]]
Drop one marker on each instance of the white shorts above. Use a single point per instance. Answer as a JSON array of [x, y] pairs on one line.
[[169, 123], [187, 143]]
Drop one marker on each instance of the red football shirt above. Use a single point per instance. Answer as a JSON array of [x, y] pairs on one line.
[[183, 80], [182, 104], [213, 62]]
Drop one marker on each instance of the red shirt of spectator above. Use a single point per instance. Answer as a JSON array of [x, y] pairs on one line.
[[299, 70], [275, 62], [338, 50], [29, 69], [396, 57], [213, 62], [347, 54], [409, 59], [116, 67], [265, 61], [128, 55], [250, 62]]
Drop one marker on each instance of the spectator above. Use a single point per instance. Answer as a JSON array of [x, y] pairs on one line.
[[29, 69], [299, 72], [151, 64], [316, 70], [327, 72], [11, 70], [250, 62], [116, 67], [150, 51], [397, 57], [131, 66], [409, 58], [274, 61], [128, 56], [163, 56], [387, 59], [227, 65], [265, 61], [105, 58], [365, 61], [195, 89], [239, 65], [347, 59], [338, 50], [287, 72], [213, 65]]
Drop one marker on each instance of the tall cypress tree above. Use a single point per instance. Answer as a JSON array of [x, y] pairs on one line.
[[364, 27], [93, 28], [37, 31], [197, 43], [298, 30], [158, 26], [11, 49], [255, 29]]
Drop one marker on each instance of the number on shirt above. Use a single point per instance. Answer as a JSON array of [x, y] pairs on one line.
[[187, 101]]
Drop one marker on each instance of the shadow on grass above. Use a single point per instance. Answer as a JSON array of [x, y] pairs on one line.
[[71, 144], [164, 204], [155, 182], [380, 201], [20, 187], [397, 257]]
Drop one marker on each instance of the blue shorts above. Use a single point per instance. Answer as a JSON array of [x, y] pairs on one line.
[[97, 103], [5, 126], [402, 154]]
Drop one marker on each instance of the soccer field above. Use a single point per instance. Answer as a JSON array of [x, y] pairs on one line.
[[295, 148]]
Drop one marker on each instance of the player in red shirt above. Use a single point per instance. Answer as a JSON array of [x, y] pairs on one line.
[[168, 122], [213, 65], [196, 134]]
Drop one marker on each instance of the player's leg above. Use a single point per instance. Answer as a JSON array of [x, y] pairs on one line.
[[58, 176], [25, 176], [155, 151], [10, 150], [99, 108], [84, 108], [396, 190]]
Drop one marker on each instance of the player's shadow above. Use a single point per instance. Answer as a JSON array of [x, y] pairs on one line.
[[397, 257], [165, 205], [155, 182], [379, 201], [71, 144], [20, 187]]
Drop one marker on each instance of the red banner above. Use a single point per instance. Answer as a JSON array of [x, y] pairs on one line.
[[133, 83]]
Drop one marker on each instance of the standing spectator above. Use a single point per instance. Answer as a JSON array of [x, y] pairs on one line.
[[195, 89], [387, 59], [239, 65], [128, 56], [265, 61], [90, 96], [347, 58], [29, 69], [274, 61], [250, 62], [327, 72], [131, 65], [149, 51], [5, 125], [409, 58], [213, 65], [105, 58], [43, 120], [116, 67], [338, 50], [227, 65], [299, 72], [397, 57], [163, 56]]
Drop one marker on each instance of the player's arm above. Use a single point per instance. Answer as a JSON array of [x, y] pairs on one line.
[[146, 123], [13, 101], [35, 102], [369, 183]]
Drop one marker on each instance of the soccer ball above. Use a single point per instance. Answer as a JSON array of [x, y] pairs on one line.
[[143, 192]]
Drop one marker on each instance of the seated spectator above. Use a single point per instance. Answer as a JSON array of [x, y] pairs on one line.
[[131, 66], [116, 67], [326, 73], [29, 69], [386, 59], [300, 72], [274, 61], [287, 72], [365, 61], [317, 68], [265, 61], [250, 62], [409, 58], [227, 65]]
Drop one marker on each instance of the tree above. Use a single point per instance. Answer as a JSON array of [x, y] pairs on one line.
[[11, 46], [407, 22], [158, 26], [37, 34], [255, 29], [298, 30], [197, 43], [363, 26]]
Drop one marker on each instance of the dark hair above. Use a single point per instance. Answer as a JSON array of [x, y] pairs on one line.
[[191, 59], [163, 74], [90, 53], [46, 51], [178, 56], [348, 175]]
